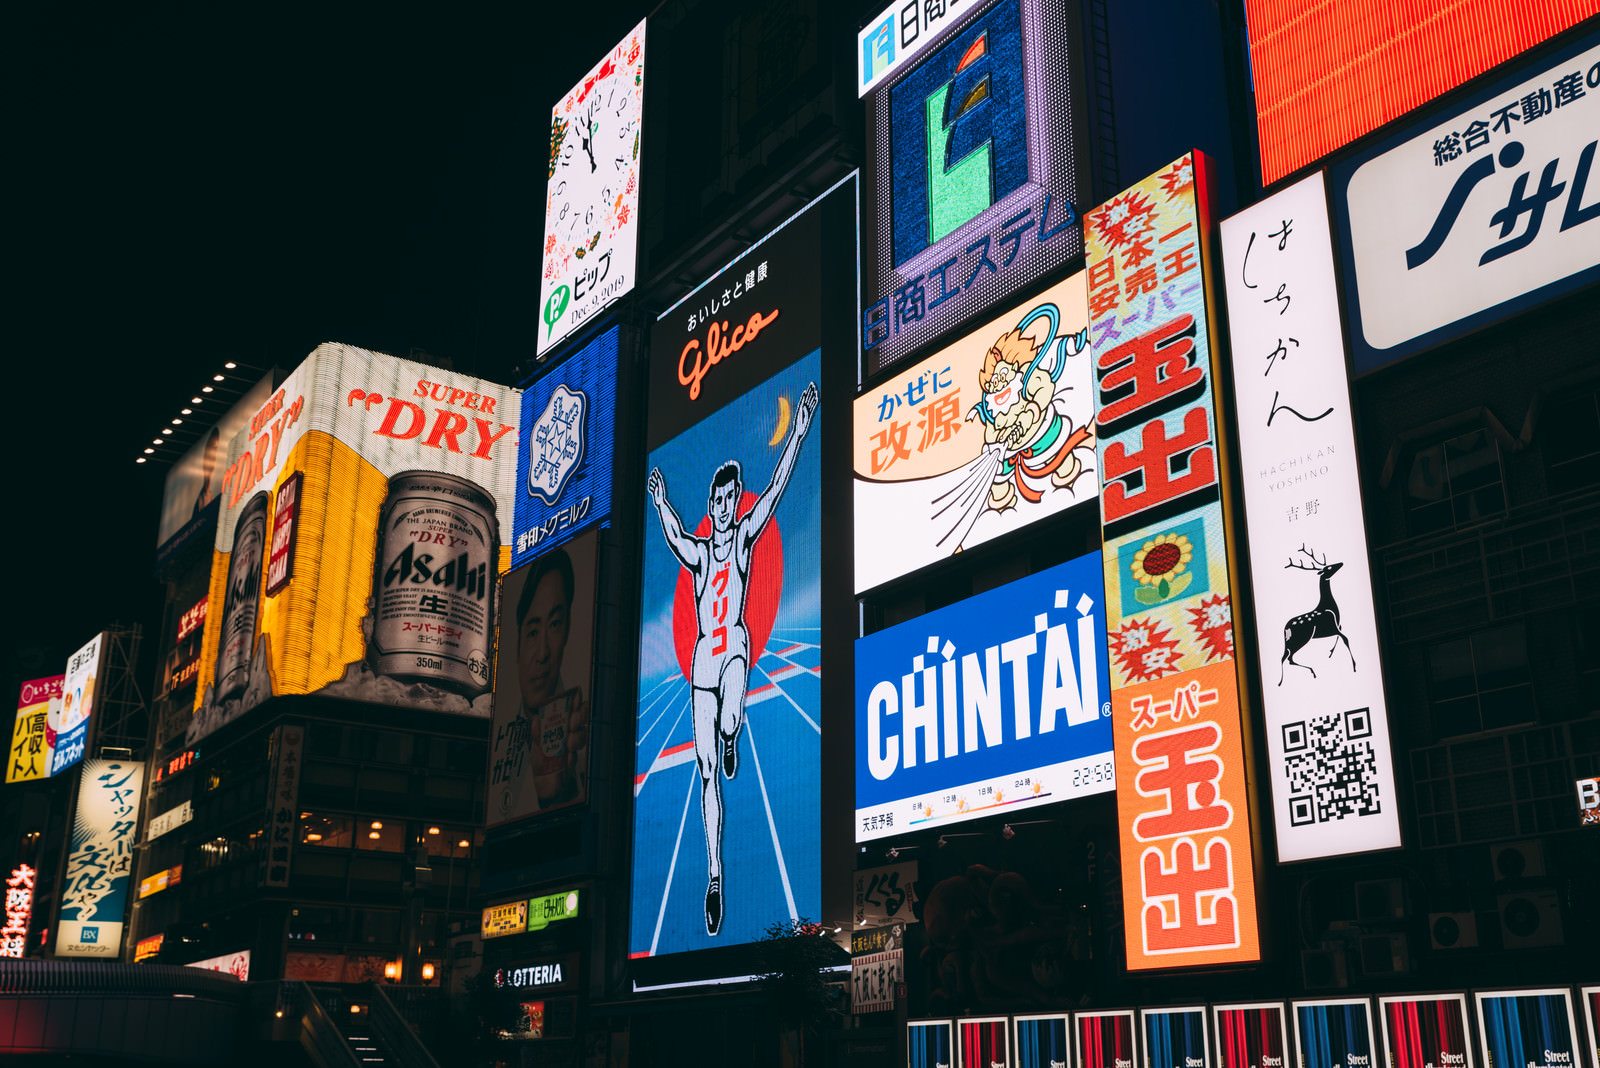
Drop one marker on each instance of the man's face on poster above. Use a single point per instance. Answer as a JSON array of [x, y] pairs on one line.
[[542, 641]]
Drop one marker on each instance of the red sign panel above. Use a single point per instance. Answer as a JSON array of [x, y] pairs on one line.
[[280, 562]]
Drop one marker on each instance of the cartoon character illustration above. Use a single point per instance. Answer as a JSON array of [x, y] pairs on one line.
[[719, 567], [1029, 441]]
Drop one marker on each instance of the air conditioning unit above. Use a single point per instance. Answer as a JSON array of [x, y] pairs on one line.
[[1380, 900], [1324, 969], [1517, 860], [1530, 919], [1453, 930], [1385, 954]]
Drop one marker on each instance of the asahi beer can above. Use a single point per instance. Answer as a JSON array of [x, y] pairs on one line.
[[242, 599], [433, 583]]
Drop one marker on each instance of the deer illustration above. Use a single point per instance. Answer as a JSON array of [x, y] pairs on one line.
[[1321, 622]]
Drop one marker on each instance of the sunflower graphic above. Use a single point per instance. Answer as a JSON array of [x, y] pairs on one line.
[[1161, 568]]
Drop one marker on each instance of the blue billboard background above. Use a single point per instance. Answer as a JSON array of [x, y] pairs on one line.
[[953, 675], [770, 835], [564, 449]]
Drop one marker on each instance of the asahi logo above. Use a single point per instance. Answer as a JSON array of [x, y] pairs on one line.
[[458, 574]]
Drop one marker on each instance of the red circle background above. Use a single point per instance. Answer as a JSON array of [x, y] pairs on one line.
[[761, 598]]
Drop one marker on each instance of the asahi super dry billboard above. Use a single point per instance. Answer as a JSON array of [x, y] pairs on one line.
[[388, 565]]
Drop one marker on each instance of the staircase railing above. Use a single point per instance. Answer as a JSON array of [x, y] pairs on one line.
[[320, 1036], [391, 1029]]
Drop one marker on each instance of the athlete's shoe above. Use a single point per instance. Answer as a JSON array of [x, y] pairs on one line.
[[714, 906], [730, 755]]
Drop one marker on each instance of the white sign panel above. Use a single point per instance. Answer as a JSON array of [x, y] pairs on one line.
[[1327, 726], [171, 819], [1491, 204], [873, 977], [901, 31], [591, 224], [95, 888], [886, 895], [234, 964]]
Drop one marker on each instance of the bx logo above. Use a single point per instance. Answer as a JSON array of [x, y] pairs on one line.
[[877, 50], [959, 132], [88, 935]]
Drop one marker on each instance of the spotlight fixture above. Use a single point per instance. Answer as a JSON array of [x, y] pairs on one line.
[[166, 430], [205, 389], [156, 441], [195, 400], [177, 422], [147, 452], [139, 460], [187, 411], [218, 378], [230, 365]]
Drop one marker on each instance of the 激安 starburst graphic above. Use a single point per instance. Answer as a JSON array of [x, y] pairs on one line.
[[1145, 650]]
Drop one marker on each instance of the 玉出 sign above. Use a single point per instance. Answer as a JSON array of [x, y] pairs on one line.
[[96, 884], [509, 918], [1332, 775], [973, 168], [158, 882], [994, 704], [1188, 870], [591, 224], [1480, 214]]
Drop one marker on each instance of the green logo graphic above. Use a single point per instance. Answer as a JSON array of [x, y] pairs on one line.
[[556, 307]]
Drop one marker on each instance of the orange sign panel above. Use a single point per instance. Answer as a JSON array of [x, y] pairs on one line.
[[1326, 73]]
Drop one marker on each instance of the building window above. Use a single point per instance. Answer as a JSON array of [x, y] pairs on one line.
[[447, 841], [328, 832], [1569, 435], [1481, 682], [387, 836], [1454, 482]]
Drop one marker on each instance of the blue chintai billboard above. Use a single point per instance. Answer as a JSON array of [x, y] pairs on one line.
[[994, 704]]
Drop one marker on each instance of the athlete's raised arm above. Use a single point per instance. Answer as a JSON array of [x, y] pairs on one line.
[[767, 503], [689, 550]]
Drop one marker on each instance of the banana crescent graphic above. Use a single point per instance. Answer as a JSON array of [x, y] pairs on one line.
[[783, 421]]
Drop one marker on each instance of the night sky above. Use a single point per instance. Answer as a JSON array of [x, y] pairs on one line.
[[198, 183]]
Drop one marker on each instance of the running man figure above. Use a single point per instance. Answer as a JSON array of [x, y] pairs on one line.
[[720, 667]]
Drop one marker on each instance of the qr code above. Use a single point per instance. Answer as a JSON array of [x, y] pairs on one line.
[[1331, 767]]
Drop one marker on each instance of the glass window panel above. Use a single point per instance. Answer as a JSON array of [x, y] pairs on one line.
[[388, 836]]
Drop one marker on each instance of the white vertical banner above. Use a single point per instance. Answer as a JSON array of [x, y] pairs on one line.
[[95, 888], [1333, 786], [591, 220]]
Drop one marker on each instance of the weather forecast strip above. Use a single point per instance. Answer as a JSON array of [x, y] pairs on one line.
[[997, 701]]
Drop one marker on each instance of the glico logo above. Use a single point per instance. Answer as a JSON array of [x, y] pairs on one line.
[[961, 132], [720, 344]]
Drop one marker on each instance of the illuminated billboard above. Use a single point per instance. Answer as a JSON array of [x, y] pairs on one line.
[[189, 498], [1528, 1027], [1425, 1031], [19, 911], [1326, 74], [1251, 1036], [1333, 785], [984, 437], [1439, 231], [31, 735], [67, 733], [726, 788], [994, 704], [972, 168], [1188, 866], [400, 476], [591, 215], [564, 453], [1337, 1033], [97, 884], [539, 738], [1175, 1038]]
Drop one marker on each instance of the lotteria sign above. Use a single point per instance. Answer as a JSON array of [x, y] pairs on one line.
[[997, 703]]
